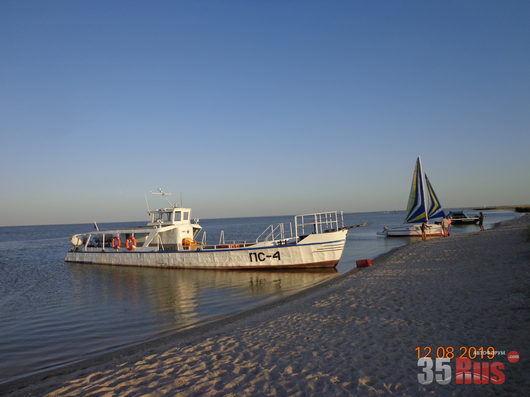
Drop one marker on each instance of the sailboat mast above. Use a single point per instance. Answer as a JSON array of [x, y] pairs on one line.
[[422, 181]]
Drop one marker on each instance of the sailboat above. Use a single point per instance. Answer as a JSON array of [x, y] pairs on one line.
[[417, 210]]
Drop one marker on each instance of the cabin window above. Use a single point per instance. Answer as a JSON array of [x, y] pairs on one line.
[[95, 241], [108, 241], [177, 216], [166, 217], [186, 215], [140, 238]]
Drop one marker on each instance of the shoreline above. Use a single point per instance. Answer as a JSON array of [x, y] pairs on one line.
[[134, 365], [182, 336]]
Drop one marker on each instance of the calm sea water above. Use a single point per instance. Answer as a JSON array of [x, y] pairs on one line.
[[53, 313]]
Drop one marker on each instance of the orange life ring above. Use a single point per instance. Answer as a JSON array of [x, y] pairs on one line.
[[116, 243], [130, 243]]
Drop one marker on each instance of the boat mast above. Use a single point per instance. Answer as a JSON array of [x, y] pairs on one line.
[[422, 180]]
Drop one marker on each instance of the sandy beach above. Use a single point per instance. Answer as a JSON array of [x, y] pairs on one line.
[[354, 335]]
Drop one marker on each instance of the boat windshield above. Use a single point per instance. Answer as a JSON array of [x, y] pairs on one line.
[[162, 216]]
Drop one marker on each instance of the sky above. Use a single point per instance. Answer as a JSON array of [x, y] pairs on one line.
[[255, 108]]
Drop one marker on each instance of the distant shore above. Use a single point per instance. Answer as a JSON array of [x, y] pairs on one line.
[[516, 208], [355, 334]]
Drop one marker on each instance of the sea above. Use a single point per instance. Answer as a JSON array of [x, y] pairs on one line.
[[54, 313]]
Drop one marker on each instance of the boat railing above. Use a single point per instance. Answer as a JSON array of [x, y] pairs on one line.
[[229, 244], [315, 223], [318, 222], [276, 232], [101, 240]]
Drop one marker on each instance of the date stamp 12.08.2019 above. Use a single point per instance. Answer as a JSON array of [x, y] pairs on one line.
[[472, 365]]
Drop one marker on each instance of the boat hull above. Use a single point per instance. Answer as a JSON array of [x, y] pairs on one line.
[[464, 221], [314, 251], [414, 231]]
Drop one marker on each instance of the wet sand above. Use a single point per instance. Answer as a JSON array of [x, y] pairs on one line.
[[355, 334]]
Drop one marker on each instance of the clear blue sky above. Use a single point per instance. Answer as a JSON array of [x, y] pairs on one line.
[[259, 107]]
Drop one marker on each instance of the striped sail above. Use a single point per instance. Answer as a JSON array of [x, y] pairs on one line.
[[435, 208], [416, 210]]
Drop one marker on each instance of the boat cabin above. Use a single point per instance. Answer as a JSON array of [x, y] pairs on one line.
[[170, 216], [180, 219]]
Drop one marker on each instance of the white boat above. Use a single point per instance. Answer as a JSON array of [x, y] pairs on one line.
[[171, 240], [417, 212]]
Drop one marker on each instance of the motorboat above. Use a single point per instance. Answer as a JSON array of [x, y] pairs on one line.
[[459, 218], [172, 240]]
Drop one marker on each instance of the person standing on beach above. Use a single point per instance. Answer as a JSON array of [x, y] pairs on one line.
[[481, 221], [445, 226], [449, 221], [424, 230]]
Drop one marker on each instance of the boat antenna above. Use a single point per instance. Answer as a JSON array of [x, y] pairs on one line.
[[147, 203], [162, 193]]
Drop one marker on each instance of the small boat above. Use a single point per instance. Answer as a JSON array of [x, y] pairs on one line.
[[417, 212], [171, 240], [459, 218]]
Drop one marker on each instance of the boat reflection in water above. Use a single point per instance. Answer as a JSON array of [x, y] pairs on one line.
[[104, 308], [166, 300]]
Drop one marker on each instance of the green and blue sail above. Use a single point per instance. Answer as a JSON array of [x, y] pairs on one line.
[[435, 208], [417, 206]]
